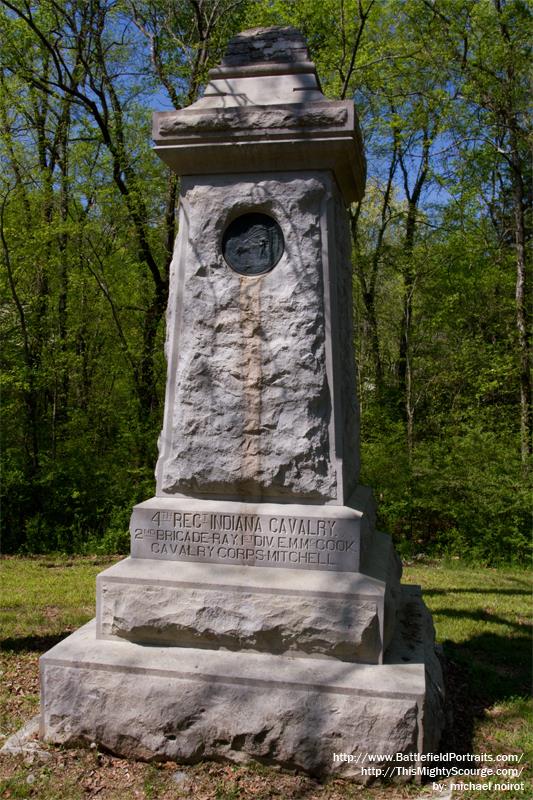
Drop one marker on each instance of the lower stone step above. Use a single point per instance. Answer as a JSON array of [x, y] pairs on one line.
[[184, 704]]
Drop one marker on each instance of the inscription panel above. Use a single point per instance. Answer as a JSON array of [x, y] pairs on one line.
[[262, 540]]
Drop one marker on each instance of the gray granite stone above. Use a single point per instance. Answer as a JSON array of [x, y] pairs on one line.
[[261, 117], [216, 618], [293, 536], [263, 107], [249, 408], [25, 743], [187, 704], [347, 615], [276, 44]]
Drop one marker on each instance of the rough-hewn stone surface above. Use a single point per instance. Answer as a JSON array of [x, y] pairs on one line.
[[261, 423], [346, 615], [263, 110], [206, 617], [249, 407], [415, 641], [183, 704], [260, 117], [275, 44], [342, 314], [295, 728]]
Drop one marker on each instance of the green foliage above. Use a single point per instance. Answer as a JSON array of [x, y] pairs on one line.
[[474, 610], [460, 496], [461, 487], [17, 786], [87, 221], [87, 218]]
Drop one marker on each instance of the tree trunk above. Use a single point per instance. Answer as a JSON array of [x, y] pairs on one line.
[[521, 298]]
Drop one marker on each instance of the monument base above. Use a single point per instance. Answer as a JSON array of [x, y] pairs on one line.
[[346, 615], [320, 715]]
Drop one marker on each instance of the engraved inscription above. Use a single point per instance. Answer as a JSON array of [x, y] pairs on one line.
[[253, 244], [246, 539]]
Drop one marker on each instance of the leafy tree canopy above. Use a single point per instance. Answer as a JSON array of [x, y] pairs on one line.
[[441, 262]]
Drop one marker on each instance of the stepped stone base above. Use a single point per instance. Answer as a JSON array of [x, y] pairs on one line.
[[184, 704], [344, 615]]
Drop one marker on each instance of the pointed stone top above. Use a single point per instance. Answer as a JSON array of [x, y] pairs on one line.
[[282, 45], [263, 110], [265, 51]]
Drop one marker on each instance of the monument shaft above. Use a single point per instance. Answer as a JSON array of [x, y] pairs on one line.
[[254, 404]]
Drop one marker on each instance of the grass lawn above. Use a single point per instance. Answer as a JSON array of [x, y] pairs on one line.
[[483, 622]]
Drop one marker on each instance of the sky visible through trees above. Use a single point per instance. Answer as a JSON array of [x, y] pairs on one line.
[[440, 259]]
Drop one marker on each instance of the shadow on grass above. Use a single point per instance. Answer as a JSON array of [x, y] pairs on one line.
[[458, 590], [481, 672], [481, 615], [32, 644]]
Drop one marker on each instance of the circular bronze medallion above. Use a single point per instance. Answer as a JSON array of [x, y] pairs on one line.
[[253, 244]]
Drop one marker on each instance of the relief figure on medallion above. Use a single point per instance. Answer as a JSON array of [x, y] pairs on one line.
[[253, 244]]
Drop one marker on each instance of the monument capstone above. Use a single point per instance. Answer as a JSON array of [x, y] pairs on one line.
[[260, 615]]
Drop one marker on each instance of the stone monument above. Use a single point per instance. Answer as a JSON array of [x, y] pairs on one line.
[[260, 615]]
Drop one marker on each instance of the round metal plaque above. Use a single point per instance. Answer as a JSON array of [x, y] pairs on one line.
[[253, 244]]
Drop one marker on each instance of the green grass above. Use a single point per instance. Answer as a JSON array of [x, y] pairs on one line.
[[41, 601], [482, 617], [45, 596], [482, 621]]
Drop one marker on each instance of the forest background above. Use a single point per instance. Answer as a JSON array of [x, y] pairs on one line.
[[441, 263]]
